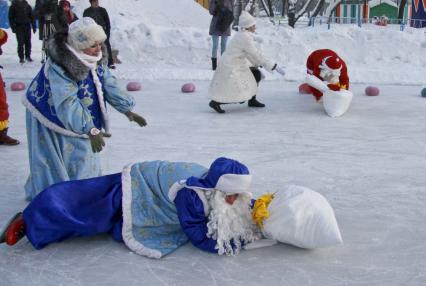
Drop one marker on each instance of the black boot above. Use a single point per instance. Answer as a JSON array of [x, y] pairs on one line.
[[216, 106], [254, 103], [214, 63]]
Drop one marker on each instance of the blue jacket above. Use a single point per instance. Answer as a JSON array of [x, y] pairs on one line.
[[192, 219]]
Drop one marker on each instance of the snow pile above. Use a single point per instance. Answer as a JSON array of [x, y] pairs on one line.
[[159, 39], [165, 39], [168, 39]]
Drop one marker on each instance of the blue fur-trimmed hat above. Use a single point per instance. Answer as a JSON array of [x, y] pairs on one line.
[[226, 175]]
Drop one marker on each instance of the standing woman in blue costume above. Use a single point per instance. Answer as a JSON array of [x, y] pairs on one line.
[[66, 108]]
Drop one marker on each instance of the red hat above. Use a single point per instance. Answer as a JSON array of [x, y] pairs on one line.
[[332, 63]]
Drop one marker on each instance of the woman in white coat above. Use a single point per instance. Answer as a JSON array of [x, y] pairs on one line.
[[235, 79]]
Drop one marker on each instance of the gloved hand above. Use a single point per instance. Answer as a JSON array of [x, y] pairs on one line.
[[333, 87], [97, 142], [280, 70], [34, 30], [136, 117]]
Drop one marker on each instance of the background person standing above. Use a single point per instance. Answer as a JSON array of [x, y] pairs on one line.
[[219, 27], [4, 108], [100, 15], [69, 14], [21, 19]]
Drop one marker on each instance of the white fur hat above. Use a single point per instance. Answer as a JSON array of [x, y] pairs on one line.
[[246, 20], [84, 33]]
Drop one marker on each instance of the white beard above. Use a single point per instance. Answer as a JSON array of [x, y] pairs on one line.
[[231, 222], [329, 76]]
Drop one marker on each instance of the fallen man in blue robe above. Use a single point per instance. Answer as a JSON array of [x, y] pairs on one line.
[[153, 207]]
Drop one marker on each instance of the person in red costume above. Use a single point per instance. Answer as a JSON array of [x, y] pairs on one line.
[[326, 65], [4, 112]]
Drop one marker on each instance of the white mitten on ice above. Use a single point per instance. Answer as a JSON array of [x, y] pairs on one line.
[[264, 242]]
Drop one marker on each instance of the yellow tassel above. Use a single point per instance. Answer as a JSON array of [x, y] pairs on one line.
[[342, 86], [4, 124], [2, 34], [260, 209]]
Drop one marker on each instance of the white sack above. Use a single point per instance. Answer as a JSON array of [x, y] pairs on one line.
[[301, 217], [336, 103]]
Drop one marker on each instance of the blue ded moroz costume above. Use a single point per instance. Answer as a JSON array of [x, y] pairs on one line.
[[154, 207]]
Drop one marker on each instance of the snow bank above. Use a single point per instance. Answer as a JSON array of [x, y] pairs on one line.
[[168, 39]]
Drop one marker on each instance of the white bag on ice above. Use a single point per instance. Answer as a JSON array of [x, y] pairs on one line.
[[301, 217], [336, 103]]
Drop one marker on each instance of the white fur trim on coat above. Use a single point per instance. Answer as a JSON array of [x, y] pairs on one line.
[[233, 183], [46, 122], [127, 233], [179, 185]]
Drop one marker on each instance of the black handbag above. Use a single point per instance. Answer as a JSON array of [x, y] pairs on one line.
[[225, 17]]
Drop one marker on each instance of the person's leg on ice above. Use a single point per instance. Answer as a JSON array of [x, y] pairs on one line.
[[305, 88], [253, 102], [20, 38], [27, 40], [223, 41], [216, 106], [70, 209], [4, 118], [215, 42]]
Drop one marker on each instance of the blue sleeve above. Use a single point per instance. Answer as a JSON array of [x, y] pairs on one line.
[[115, 96], [190, 211], [69, 109]]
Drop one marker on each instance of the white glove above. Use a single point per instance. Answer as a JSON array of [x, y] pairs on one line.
[[316, 83], [258, 39], [280, 70]]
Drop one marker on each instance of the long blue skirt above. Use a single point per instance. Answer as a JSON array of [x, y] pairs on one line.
[[74, 209]]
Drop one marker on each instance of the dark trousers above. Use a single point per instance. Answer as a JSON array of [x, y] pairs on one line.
[[23, 37], [108, 46], [256, 73]]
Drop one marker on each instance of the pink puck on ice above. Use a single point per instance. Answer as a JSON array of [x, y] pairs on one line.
[[372, 91], [188, 87], [133, 86], [17, 86]]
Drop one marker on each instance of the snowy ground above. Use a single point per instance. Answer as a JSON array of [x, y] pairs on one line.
[[369, 164]]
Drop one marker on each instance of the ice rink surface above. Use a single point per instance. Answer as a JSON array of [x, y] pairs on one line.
[[369, 164]]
